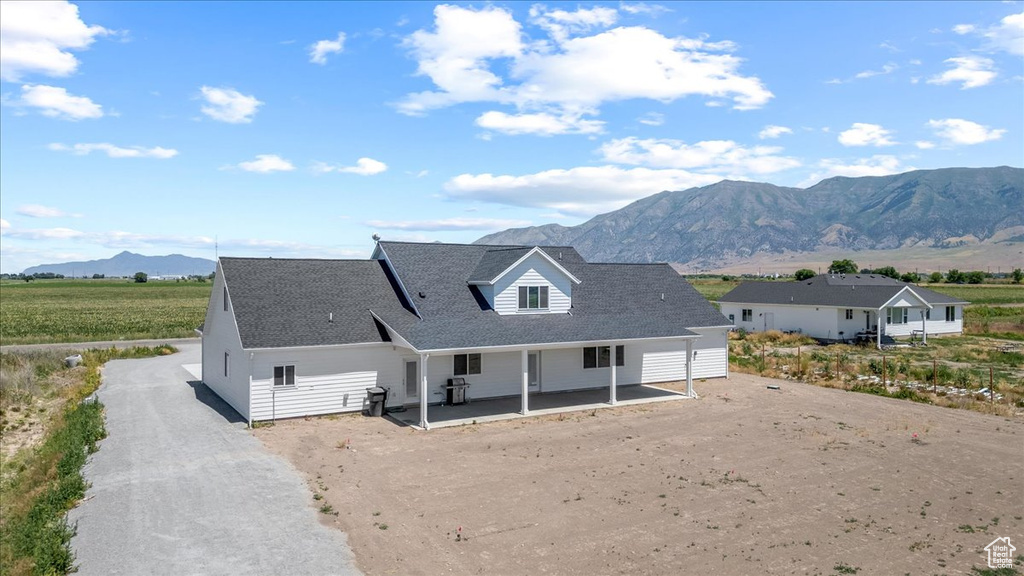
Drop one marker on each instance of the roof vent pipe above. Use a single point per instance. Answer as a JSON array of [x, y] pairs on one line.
[[662, 296], [330, 316]]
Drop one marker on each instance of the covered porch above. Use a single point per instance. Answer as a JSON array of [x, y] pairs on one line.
[[510, 407]]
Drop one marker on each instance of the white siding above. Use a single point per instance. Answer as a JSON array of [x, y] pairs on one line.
[[712, 354], [220, 335], [327, 380], [814, 321], [500, 375], [936, 326], [534, 271]]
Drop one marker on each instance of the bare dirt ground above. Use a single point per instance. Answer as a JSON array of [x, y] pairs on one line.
[[745, 480]]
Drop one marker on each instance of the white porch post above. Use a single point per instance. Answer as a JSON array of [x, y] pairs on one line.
[[924, 327], [689, 368], [423, 392], [526, 382], [612, 399], [878, 332]]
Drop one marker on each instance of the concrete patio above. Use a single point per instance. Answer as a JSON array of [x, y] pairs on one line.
[[508, 408]]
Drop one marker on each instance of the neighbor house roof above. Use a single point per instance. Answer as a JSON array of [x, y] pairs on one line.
[[839, 290], [282, 303]]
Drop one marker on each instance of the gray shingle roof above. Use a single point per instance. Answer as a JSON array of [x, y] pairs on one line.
[[280, 303], [612, 301], [850, 290], [495, 261]]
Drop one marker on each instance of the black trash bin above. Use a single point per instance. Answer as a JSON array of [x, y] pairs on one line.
[[377, 398]]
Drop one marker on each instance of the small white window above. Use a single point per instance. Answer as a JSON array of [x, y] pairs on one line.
[[533, 297], [950, 313], [601, 356], [284, 375], [466, 364], [849, 314], [227, 363], [748, 315], [895, 315]]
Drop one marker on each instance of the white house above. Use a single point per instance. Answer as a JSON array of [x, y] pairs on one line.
[[844, 307], [285, 338]]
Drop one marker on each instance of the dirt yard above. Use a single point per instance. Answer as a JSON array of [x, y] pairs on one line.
[[745, 480]]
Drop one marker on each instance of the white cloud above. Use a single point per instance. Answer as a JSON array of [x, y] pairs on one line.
[[723, 156], [318, 52], [963, 29], [448, 224], [116, 151], [40, 211], [861, 134], [1007, 36], [37, 37], [877, 165], [4, 225], [561, 24], [581, 191], [886, 69], [773, 131], [652, 119], [55, 102], [541, 124], [483, 56], [654, 10], [958, 131], [363, 167], [43, 233], [229, 105], [971, 71], [924, 144], [265, 163]]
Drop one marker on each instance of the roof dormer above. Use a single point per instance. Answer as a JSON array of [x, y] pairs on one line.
[[524, 281]]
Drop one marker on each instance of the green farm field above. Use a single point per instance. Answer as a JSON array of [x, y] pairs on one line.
[[45, 311]]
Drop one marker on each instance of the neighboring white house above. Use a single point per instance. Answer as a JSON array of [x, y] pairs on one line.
[[286, 338], [844, 307]]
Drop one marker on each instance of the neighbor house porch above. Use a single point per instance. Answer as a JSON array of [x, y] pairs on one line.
[[540, 404]]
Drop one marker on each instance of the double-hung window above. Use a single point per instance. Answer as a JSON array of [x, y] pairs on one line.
[[748, 315], [950, 313], [466, 364], [849, 314], [533, 297], [284, 376], [896, 316], [601, 356]]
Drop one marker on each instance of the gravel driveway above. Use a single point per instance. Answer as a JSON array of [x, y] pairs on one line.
[[181, 487]]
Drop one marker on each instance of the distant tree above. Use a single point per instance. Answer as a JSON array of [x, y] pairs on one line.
[[98, 276], [887, 271], [975, 277], [843, 267], [935, 277], [866, 271], [910, 277], [212, 275], [141, 277], [954, 276], [1018, 275], [803, 274], [727, 278]]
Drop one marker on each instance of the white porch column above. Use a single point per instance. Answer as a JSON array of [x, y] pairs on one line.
[[878, 332], [423, 392], [526, 382], [689, 368], [924, 327], [612, 399]]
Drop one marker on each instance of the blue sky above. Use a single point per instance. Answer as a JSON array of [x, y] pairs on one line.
[[300, 129]]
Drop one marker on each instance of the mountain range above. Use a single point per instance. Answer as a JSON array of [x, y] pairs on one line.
[[733, 222], [128, 263]]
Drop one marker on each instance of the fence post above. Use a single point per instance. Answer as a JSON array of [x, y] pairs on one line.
[[935, 378], [991, 391], [837, 367], [762, 358], [883, 371]]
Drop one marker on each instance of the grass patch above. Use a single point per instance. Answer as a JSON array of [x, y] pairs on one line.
[[91, 310], [40, 484]]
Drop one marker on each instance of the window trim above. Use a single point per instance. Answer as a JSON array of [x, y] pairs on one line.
[[543, 296], [604, 352], [469, 364], [284, 376], [747, 314]]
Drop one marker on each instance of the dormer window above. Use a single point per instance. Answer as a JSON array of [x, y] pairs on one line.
[[533, 297]]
